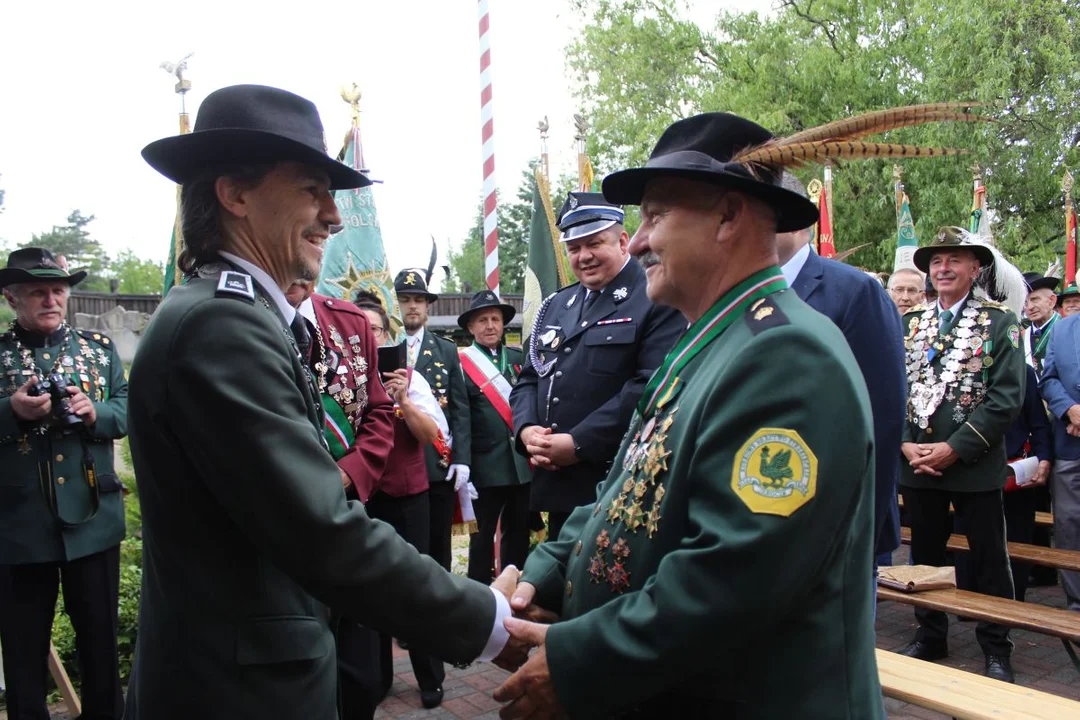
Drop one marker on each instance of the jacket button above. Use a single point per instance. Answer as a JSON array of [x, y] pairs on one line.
[[585, 323], [566, 351], [554, 426], [47, 356], [569, 588], [59, 458], [577, 550], [554, 401], [609, 338], [60, 481], [929, 431], [558, 373]]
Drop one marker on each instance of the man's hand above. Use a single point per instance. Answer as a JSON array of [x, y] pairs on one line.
[[1073, 415], [82, 405], [514, 653], [459, 474], [346, 481], [555, 451], [523, 606], [1042, 474], [529, 691], [537, 441], [940, 456], [912, 451], [28, 408]]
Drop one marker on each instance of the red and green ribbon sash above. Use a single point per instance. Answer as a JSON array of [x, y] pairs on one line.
[[339, 434], [707, 328]]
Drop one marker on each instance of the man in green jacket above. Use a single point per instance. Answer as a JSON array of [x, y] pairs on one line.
[[249, 540], [500, 474], [965, 388], [725, 567], [61, 510]]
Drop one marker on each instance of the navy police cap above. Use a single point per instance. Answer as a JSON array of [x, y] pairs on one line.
[[587, 213]]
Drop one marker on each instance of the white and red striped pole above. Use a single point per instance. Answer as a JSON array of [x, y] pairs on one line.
[[487, 134]]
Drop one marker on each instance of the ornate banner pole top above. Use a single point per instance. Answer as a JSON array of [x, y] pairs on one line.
[[584, 166], [543, 127], [182, 86], [1067, 186], [351, 95]]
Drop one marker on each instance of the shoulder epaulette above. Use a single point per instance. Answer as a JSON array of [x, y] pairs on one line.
[[96, 337], [921, 307], [339, 305], [764, 314], [236, 285], [995, 305]]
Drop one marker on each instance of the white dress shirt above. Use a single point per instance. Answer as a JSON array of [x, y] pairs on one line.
[[794, 266]]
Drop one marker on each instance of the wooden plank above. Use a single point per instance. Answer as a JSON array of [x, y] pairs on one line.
[[63, 682], [1041, 518], [1034, 554], [966, 695], [1014, 613]]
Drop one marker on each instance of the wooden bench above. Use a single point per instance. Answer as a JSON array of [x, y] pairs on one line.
[[1041, 518], [966, 695], [1034, 554]]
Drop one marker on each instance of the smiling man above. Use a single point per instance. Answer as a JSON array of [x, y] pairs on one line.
[[965, 388], [592, 349], [248, 535]]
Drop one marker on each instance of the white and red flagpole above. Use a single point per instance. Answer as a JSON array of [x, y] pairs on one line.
[[487, 134]]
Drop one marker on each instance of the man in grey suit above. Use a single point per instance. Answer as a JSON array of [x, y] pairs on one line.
[[249, 540]]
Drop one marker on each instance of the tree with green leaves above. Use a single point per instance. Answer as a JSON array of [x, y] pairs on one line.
[[640, 64], [82, 251], [135, 275]]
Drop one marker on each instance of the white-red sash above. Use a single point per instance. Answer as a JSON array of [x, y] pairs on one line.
[[496, 388]]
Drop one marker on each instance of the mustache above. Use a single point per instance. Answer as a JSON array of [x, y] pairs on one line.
[[647, 260]]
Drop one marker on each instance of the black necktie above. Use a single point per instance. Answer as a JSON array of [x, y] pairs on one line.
[[303, 336]]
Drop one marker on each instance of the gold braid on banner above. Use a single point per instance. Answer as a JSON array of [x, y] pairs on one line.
[[841, 139]]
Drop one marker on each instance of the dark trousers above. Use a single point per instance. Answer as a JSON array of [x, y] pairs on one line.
[[1019, 508], [441, 500], [27, 604], [410, 516], [982, 515], [555, 522], [511, 504]]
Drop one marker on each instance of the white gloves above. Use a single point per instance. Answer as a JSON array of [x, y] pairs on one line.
[[473, 495], [459, 474]]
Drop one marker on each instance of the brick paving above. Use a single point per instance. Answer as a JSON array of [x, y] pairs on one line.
[[1038, 660]]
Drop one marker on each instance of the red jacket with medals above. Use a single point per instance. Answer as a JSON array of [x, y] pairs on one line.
[[360, 415]]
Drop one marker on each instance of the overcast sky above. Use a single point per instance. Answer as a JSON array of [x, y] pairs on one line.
[[82, 92]]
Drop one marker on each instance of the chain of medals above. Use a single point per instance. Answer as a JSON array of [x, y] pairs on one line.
[[312, 385], [965, 361], [352, 403]]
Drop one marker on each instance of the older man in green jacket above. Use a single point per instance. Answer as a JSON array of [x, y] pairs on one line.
[[63, 400]]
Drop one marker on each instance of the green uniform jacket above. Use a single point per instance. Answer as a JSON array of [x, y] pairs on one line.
[[247, 533], [439, 364], [982, 398], [495, 462], [35, 464], [714, 606]]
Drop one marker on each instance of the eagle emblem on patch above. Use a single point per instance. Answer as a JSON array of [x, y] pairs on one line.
[[775, 472]]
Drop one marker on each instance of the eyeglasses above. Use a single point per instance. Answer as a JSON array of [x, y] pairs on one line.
[[905, 291], [378, 328]]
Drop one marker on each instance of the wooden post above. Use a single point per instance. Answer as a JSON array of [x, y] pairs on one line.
[[63, 682]]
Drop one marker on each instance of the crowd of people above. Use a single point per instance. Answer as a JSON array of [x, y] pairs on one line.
[[718, 456]]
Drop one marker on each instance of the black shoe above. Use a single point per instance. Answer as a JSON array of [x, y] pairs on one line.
[[433, 698], [923, 650], [998, 667]]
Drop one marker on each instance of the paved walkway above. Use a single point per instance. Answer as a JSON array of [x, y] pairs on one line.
[[1039, 661]]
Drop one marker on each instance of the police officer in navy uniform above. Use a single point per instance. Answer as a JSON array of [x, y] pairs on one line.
[[593, 347]]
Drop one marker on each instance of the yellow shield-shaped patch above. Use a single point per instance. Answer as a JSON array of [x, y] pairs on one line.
[[775, 472]]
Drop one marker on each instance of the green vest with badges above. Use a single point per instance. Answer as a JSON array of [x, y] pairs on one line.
[[60, 497], [966, 379], [725, 569]]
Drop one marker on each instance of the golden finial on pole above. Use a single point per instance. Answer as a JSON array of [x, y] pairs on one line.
[[813, 189], [897, 172], [976, 172], [584, 168], [351, 95], [1067, 185]]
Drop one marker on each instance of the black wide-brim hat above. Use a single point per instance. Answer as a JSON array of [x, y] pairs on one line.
[[250, 123], [951, 238], [1035, 281], [413, 282], [481, 301], [700, 148], [36, 265]]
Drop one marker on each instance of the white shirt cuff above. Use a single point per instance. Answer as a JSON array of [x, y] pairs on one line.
[[499, 633]]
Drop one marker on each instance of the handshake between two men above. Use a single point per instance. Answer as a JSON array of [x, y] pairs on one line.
[[529, 692]]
